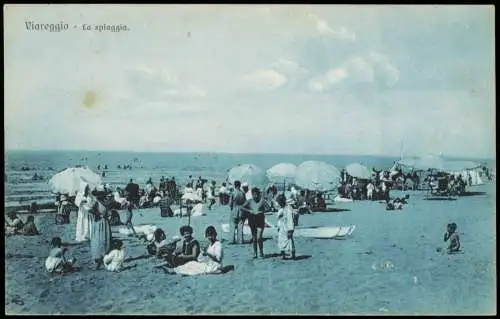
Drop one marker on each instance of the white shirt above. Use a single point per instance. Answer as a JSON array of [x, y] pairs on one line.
[[114, 260], [222, 190], [248, 195], [214, 250], [285, 218]]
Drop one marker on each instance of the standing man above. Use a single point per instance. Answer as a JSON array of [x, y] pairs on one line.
[[132, 190], [236, 214]]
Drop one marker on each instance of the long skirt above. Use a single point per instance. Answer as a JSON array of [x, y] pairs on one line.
[[83, 225], [100, 239], [194, 268], [284, 244]]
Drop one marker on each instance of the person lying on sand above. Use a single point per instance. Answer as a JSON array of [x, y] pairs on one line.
[[56, 262], [29, 228], [113, 261], [13, 224], [208, 262]]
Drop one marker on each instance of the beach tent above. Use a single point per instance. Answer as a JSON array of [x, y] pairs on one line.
[[282, 173], [318, 176], [358, 170], [458, 166], [248, 173], [68, 181]]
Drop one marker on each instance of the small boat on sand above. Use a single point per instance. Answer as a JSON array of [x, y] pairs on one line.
[[336, 232]]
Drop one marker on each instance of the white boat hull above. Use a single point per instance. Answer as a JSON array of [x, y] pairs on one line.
[[338, 232]]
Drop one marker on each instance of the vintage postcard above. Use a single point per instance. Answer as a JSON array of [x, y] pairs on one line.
[[249, 159]]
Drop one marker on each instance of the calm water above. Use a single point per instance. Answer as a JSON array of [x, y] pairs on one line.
[[20, 186]]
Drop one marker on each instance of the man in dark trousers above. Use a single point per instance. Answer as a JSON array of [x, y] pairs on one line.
[[132, 190]]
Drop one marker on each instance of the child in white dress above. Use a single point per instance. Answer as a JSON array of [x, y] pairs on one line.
[[56, 261], [113, 261]]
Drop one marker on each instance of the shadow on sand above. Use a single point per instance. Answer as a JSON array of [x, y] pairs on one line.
[[473, 193], [276, 255], [440, 198], [137, 258], [332, 210]]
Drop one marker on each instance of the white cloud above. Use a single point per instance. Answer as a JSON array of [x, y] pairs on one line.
[[264, 80], [358, 69], [150, 85], [324, 28]]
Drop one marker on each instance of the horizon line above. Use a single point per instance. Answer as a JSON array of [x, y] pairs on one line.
[[233, 153]]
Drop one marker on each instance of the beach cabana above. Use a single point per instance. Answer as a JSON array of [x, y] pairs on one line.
[[248, 173]]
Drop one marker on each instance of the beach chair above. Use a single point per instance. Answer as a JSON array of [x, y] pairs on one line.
[[440, 188]]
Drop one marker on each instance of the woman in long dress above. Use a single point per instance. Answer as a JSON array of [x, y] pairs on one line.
[[84, 201], [286, 226], [209, 261], [100, 235]]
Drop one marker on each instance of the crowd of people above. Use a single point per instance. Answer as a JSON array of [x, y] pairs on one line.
[[184, 254]]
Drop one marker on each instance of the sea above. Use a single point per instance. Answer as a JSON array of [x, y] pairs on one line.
[[21, 166]]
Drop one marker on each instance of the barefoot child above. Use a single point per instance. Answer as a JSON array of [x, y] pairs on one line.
[[451, 236], [56, 261], [113, 261], [286, 226]]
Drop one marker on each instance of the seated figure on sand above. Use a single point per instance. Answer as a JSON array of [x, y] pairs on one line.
[[208, 262], [113, 260], [56, 262], [451, 236], [187, 251], [29, 228], [13, 224], [160, 246]]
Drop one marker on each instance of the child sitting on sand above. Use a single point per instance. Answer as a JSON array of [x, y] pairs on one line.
[[159, 245], [113, 261], [451, 236], [14, 224], [29, 228], [56, 261]]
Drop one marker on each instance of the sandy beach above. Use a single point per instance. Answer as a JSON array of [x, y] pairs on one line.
[[329, 277]]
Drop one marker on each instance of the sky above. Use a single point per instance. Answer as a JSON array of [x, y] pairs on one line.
[[318, 79]]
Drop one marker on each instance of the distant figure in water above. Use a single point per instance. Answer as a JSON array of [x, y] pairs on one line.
[[451, 236], [56, 262]]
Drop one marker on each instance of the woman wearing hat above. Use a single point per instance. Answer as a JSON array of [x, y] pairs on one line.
[[209, 262]]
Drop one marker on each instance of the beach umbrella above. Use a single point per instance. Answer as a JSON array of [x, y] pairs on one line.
[[69, 180], [247, 173], [358, 170], [282, 172], [315, 175]]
